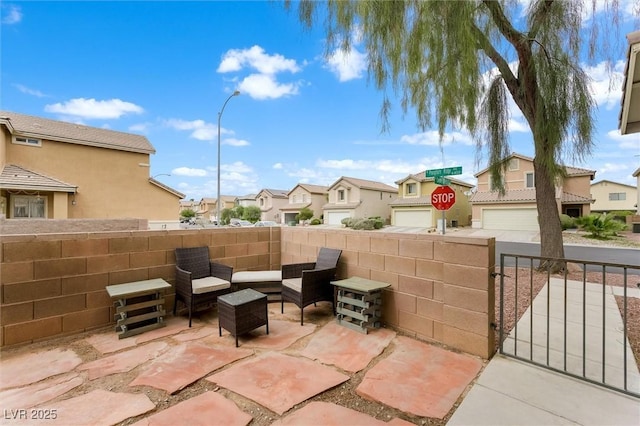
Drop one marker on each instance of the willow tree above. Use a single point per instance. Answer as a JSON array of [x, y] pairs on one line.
[[457, 63]]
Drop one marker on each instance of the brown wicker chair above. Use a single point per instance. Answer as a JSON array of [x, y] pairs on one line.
[[199, 281], [310, 282]]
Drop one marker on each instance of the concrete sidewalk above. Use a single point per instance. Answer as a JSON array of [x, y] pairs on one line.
[[514, 392]]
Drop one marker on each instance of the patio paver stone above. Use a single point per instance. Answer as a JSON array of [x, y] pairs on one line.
[[278, 381], [38, 393], [35, 366], [186, 363], [434, 378], [123, 361]]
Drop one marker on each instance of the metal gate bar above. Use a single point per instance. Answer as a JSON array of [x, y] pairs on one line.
[[628, 369]]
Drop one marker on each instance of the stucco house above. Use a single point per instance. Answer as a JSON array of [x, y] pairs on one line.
[[246, 200], [57, 170], [357, 198], [270, 202], [412, 205], [304, 195], [516, 209], [629, 121], [613, 196]]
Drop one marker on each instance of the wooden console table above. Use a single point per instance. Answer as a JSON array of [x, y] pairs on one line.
[[139, 306], [359, 303]]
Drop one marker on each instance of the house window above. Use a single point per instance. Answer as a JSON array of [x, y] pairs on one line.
[[26, 141], [529, 180], [617, 196], [304, 198], [295, 198], [28, 207], [261, 202], [341, 195], [411, 189], [514, 164]]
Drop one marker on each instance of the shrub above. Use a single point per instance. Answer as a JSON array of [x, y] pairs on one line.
[[567, 222], [315, 221], [364, 224], [601, 226], [348, 221], [378, 223]]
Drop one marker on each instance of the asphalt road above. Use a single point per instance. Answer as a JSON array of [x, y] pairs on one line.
[[616, 256]]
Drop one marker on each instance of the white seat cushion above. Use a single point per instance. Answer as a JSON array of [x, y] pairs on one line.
[[256, 276], [293, 283], [207, 284]]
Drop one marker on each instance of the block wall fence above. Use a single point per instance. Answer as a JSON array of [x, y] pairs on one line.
[[441, 286]]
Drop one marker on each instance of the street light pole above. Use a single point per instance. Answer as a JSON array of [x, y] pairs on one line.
[[236, 93]]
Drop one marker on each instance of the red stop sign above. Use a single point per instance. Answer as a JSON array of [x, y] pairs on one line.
[[443, 198]]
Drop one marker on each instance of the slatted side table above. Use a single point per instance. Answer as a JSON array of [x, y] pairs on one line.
[[359, 304], [139, 306], [242, 311]]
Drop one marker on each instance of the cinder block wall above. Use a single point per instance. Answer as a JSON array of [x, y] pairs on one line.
[[54, 284], [441, 286]]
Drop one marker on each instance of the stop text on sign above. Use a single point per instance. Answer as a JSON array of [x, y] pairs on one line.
[[443, 197]]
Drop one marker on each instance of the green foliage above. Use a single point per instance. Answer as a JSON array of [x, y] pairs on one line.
[[567, 222], [459, 62], [305, 213], [252, 214], [188, 213], [367, 224], [601, 226], [621, 215], [315, 221], [225, 216]]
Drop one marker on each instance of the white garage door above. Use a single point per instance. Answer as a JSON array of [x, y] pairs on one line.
[[335, 218], [420, 218], [510, 219]]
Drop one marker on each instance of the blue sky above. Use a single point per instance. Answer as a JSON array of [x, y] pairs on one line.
[[164, 70]]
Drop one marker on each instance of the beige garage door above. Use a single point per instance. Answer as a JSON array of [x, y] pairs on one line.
[[335, 218], [415, 217], [510, 219]]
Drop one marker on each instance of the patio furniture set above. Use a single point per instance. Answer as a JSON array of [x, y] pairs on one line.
[[242, 296]]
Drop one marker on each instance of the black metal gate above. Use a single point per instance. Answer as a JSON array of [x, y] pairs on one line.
[[575, 323]]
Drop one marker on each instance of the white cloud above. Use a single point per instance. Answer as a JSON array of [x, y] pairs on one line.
[[235, 142], [347, 65], [200, 129], [11, 14], [518, 126], [256, 58], [29, 91], [140, 127], [92, 109], [188, 171], [612, 168], [625, 141], [237, 167], [606, 84], [278, 166], [432, 138], [265, 86]]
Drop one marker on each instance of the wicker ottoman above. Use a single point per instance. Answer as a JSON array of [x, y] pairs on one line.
[[242, 311]]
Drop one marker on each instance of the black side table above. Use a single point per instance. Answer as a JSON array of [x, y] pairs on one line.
[[242, 311]]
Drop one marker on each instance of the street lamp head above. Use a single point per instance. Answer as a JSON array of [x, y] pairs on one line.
[[236, 93]]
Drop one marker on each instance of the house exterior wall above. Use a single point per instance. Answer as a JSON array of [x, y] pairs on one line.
[[441, 286], [270, 206], [459, 212], [374, 203], [111, 183], [601, 194], [514, 177], [300, 195]]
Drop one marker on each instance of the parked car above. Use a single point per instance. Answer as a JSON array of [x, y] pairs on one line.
[[266, 223], [240, 222]]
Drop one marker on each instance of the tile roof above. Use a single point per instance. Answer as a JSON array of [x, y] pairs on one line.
[[314, 189], [522, 196], [417, 201], [277, 193], [60, 131], [295, 206], [366, 184], [335, 206], [18, 178], [421, 177]]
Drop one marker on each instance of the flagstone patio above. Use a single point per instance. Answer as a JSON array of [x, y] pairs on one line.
[[319, 373]]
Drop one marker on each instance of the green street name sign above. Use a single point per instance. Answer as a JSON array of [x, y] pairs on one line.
[[442, 180], [447, 171]]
